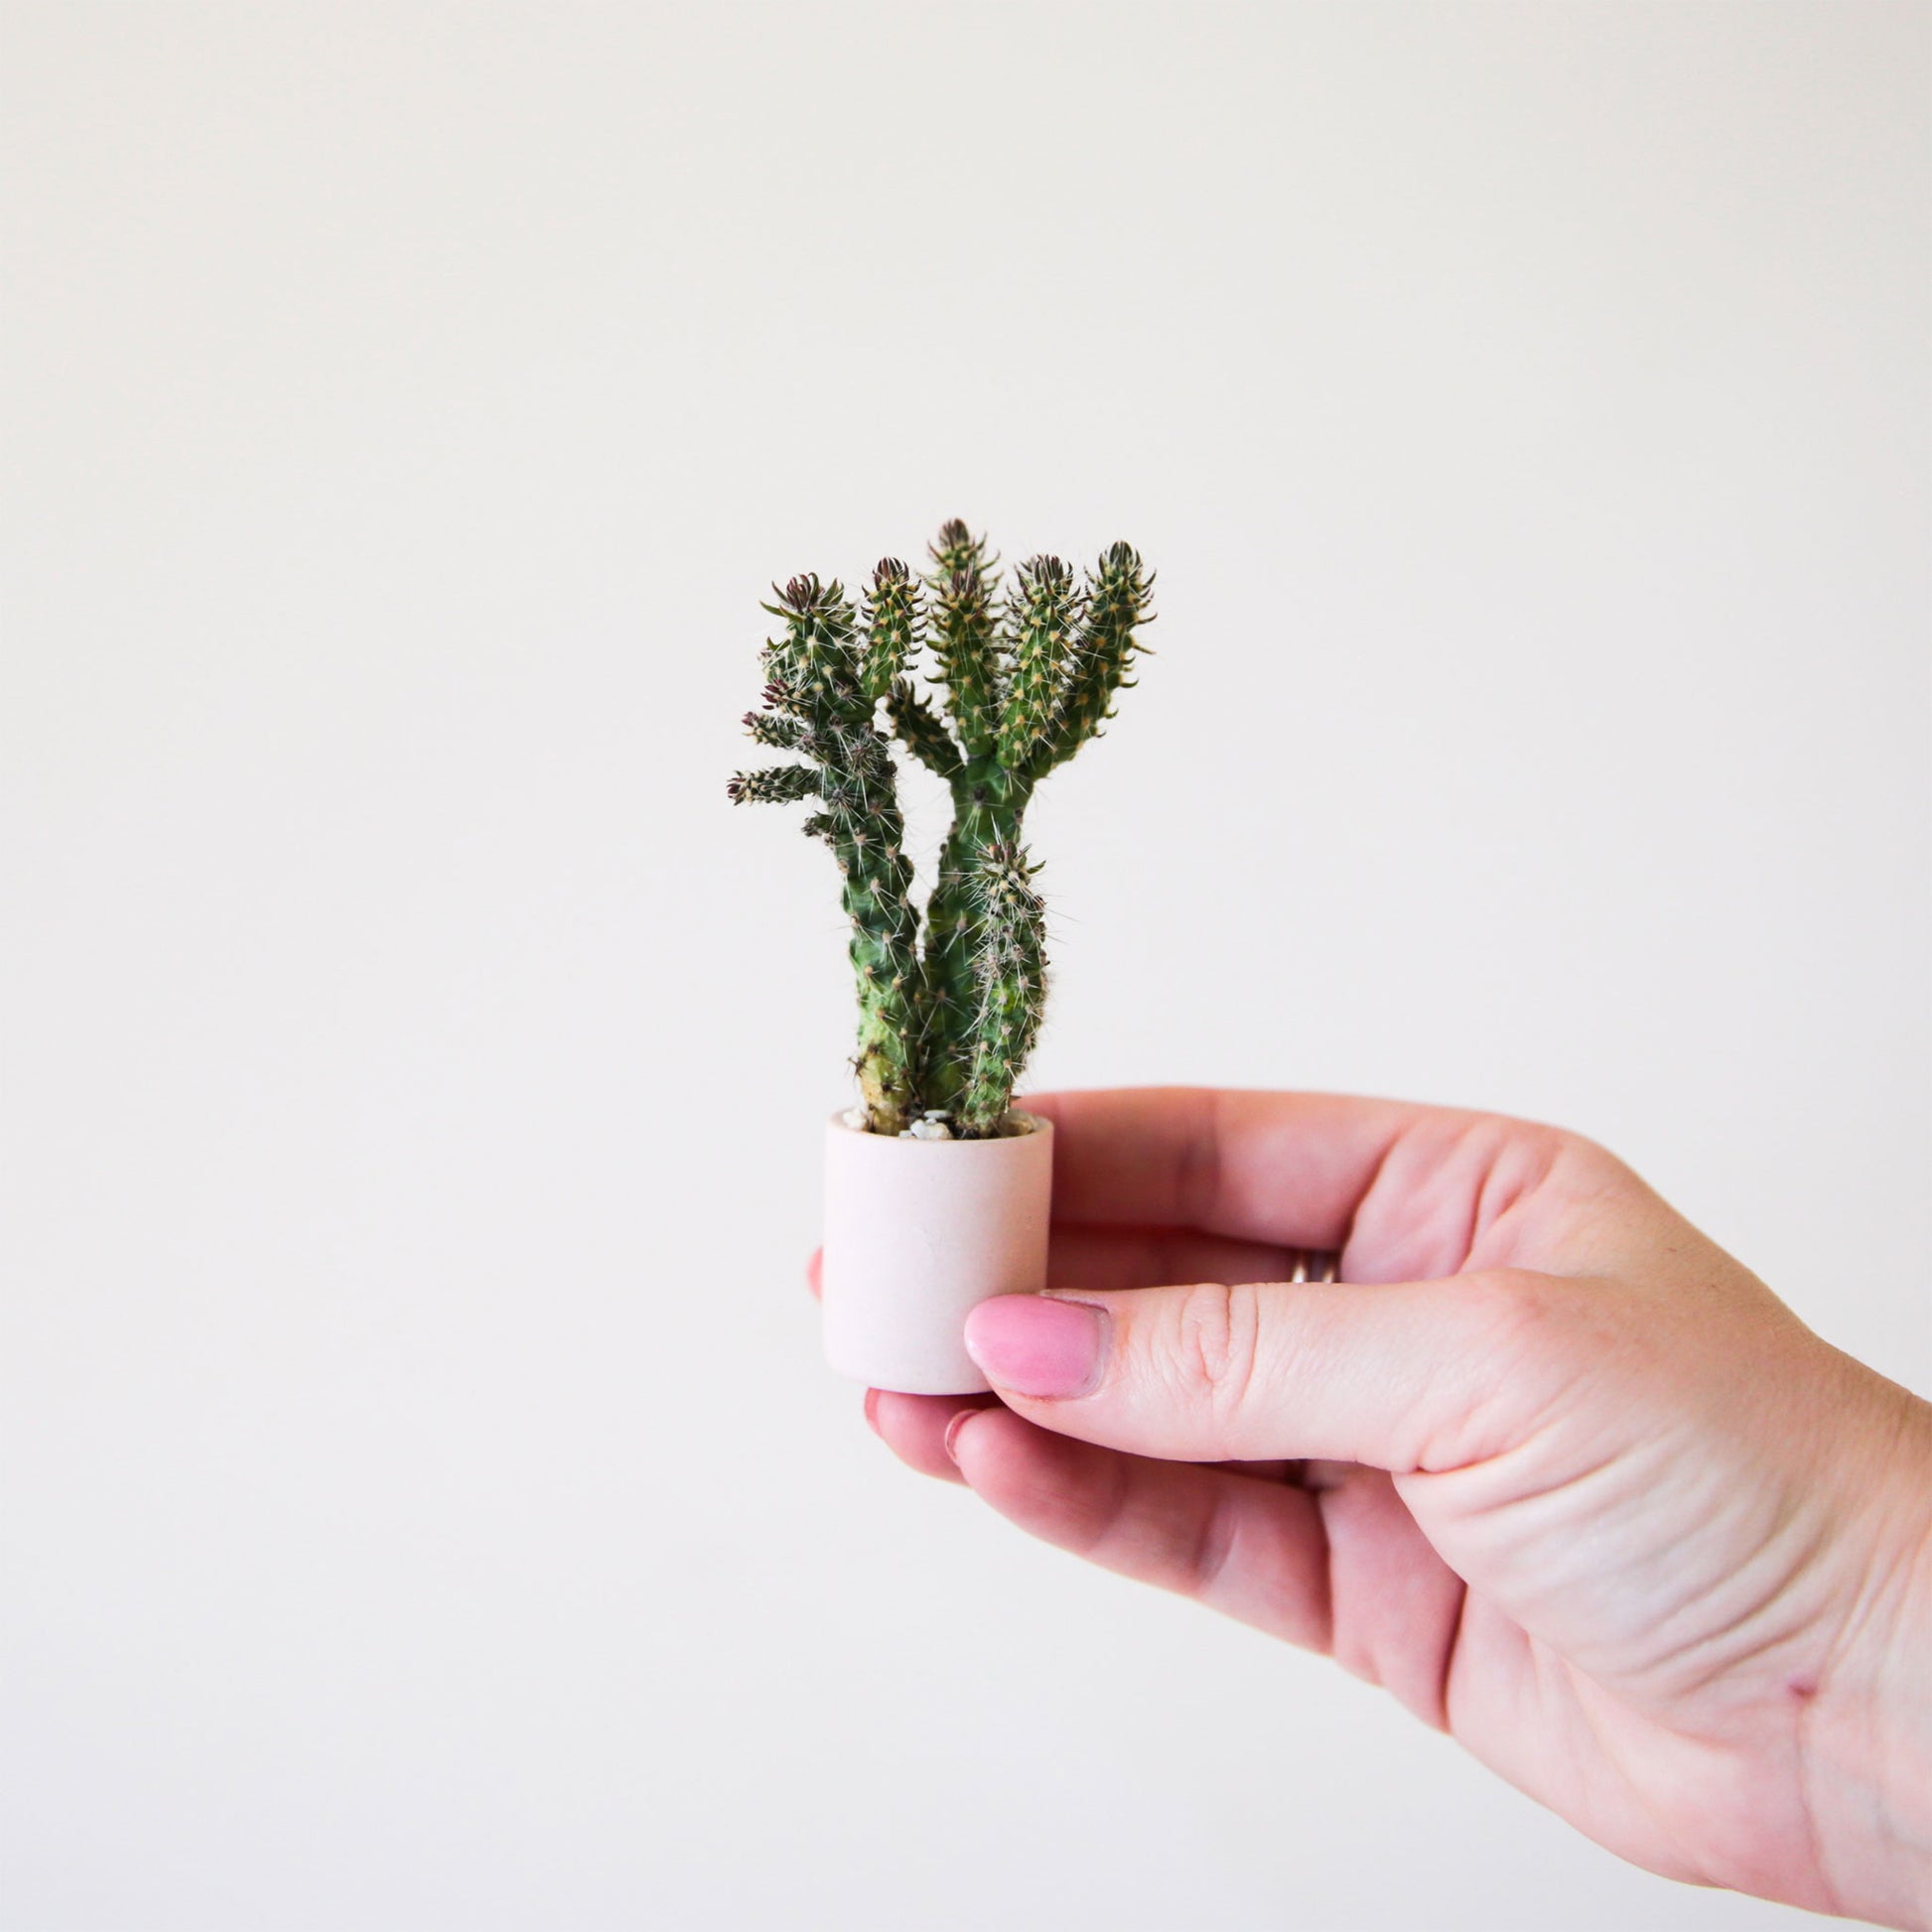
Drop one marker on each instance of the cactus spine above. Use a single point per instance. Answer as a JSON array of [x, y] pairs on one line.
[[948, 1012]]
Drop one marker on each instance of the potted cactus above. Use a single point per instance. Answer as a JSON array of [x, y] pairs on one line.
[[936, 1189]]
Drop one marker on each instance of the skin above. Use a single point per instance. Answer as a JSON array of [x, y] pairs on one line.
[[1551, 1469]]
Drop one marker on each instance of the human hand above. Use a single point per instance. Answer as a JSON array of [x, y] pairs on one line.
[[1554, 1470]]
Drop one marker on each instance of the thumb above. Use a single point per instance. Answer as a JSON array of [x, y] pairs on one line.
[[1410, 1375]]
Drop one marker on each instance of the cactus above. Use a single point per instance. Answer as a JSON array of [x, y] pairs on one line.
[[949, 1005]]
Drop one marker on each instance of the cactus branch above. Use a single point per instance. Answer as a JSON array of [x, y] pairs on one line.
[[895, 625], [956, 548], [1010, 975], [1044, 619], [813, 689], [780, 733], [776, 784], [965, 635], [1118, 596], [922, 731]]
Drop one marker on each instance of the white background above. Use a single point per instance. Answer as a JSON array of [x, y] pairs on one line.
[[424, 1506]]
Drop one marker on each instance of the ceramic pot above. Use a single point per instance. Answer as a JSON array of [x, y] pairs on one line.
[[917, 1234]]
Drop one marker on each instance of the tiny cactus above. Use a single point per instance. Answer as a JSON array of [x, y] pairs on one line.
[[949, 1002]]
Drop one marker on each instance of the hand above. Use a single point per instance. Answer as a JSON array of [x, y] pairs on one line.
[[1559, 1473]]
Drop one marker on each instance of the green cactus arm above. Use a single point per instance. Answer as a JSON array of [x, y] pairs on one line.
[[922, 732], [948, 995], [877, 896], [781, 734], [988, 804], [1119, 594], [895, 625], [815, 703], [1045, 612], [956, 548], [866, 831], [964, 641], [1010, 973], [776, 784], [964, 633], [817, 662]]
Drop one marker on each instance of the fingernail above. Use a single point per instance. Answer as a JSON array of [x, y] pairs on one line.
[[872, 1409], [953, 1427], [1035, 1344]]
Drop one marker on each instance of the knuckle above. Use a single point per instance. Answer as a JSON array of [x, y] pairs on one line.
[[1531, 1152], [1541, 1148], [1514, 1308], [1546, 1341], [1215, 1343], [1576, 1165], [1587, 1159]]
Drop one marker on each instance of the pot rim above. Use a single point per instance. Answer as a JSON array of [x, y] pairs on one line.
[[1041, 1126]]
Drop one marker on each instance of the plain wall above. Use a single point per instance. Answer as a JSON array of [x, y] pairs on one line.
[[424, 1506]]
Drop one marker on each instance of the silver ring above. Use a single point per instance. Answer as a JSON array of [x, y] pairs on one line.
[[1316, 1265]]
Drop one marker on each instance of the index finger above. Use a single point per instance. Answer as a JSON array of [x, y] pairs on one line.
[[1286, 1167]]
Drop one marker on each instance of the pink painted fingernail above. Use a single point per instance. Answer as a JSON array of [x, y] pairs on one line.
[[1035, 1344], [872, 1410], [953, 1427]]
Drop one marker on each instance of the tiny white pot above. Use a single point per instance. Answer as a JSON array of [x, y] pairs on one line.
[[917, 1233]]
